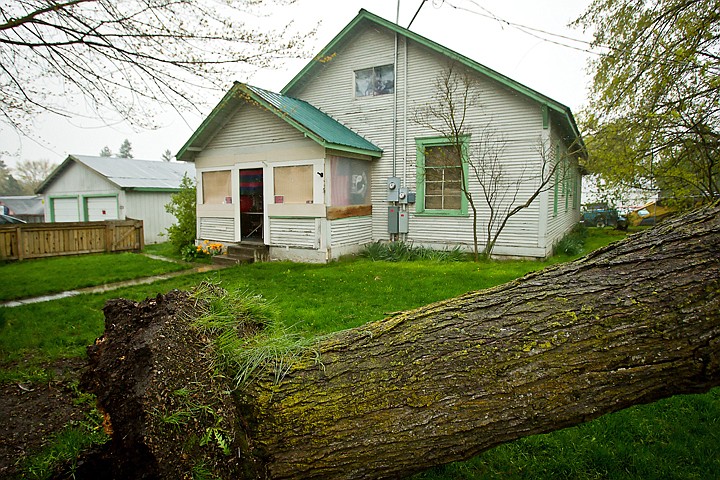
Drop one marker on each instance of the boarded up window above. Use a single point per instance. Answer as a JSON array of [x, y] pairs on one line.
[[216, 187], [349, 182], [443, 178], [294, 184]]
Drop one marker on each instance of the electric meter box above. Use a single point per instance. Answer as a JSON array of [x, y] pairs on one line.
[[393, 216], [393, 189], [403, 195], [403, 222]]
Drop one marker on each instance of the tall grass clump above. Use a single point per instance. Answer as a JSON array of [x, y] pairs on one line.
[[406, 252], [247, 337], [574, 242]]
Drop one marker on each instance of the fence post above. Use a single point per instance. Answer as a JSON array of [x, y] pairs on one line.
[[109, 237], [140, 232], [18, 238]]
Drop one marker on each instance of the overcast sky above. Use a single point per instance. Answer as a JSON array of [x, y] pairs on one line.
[[531, 57]]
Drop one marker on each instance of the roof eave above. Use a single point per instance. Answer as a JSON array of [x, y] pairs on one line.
[[187, 151], [51, 178], [303, 129]]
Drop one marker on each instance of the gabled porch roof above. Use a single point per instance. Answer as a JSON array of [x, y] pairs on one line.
[[301, 115]]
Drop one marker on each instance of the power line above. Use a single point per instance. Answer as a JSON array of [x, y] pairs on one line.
[[525, 28], [530, 31]]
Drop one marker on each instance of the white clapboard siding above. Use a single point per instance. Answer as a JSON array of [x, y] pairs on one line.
[[294, 232], [249, 125], [217, 229], [515, 119], [350, 231], [560, 223]]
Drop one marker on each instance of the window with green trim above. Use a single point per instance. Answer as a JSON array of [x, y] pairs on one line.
[[441, 171]]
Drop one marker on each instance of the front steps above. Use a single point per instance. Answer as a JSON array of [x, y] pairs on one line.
[[244, 252]]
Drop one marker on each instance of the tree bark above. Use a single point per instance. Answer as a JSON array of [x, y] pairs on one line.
[[631, 323]]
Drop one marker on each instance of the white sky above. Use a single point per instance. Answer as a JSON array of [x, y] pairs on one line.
[[556, 71]]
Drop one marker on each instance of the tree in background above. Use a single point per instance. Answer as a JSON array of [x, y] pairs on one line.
[[182, 206], [654, 116], [106, 152], [8, 184], [167, 155], [118, 54], [125, 149], [31, 173]]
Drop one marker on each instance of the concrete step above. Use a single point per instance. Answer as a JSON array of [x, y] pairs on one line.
[[232, 259], [243, 253]]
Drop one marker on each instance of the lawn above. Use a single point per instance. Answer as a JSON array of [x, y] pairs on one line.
[[675, 438], [32, 278]]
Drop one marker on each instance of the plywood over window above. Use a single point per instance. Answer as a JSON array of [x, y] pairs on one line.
[[294, 184], [216, 187]]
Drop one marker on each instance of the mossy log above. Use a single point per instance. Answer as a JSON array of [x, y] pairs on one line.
[[632, 323]]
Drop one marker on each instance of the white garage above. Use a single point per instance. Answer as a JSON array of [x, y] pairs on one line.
[[88, 189]]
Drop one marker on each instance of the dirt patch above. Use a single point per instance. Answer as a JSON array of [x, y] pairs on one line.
[[171, 415], [33, 413]]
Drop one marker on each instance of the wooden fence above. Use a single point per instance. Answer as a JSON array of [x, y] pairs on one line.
[[37, 240]]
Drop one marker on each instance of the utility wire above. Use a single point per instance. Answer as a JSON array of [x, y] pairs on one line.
[[530, 31]]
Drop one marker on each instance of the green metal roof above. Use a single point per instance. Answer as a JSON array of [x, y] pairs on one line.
[[309, 120], [306, 74]]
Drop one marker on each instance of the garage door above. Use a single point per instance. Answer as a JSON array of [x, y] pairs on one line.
[[65, 210], [101, 208]]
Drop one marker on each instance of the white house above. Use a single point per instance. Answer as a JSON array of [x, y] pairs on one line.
[[85, 189], [335, 160]]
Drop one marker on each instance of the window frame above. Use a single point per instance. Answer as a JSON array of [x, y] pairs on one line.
[[373, 80], [422, 144]]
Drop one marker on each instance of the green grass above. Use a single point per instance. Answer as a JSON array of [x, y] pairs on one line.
[[165, 249], [674, 438], [32, 278]]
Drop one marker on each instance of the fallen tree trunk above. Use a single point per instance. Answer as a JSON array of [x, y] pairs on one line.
[[632, 323]]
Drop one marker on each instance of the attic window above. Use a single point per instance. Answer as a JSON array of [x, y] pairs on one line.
[[375, 81]]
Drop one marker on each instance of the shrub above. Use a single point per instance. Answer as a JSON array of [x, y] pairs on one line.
[[182, 206], [573, 243], [404, 252]]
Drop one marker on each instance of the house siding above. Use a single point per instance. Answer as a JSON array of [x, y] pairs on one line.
[[350, 231], [217, 229], [515, 119], [295, 232], [252, 134], [559, 223]]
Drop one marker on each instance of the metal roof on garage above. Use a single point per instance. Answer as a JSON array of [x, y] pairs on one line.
[[129, 173]]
